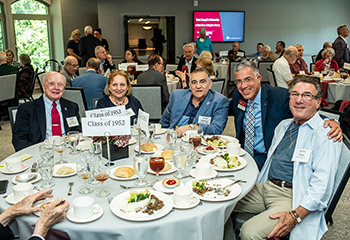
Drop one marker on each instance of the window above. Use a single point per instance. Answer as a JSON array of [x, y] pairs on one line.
[[2, 43], [31, 22]]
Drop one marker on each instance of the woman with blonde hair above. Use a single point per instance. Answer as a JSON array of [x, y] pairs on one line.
[[73, 45], [207, 64]]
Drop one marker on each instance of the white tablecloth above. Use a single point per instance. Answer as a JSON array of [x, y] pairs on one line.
[[204, 222], [338, 91], [173, 85]]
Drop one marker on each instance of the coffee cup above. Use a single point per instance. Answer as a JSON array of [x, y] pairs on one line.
[[203, 169], [157, 128], [14, 164], [234, 148], [84, 207], [182, 196], [22, 190]]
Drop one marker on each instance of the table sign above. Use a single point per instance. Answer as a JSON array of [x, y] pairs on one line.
[[346, 66], [142, 68], [118, 111], [124, 66], [240, 54], [223, 53], [99, 126], [142, 120]]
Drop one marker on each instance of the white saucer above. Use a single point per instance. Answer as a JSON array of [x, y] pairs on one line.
[[71, 217], [4, 170], [194, 202], [11, 198], [161, 188], [193, 174]]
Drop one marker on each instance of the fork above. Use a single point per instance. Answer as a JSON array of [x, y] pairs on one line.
[[221, 191], [127, 187], [70, 188]]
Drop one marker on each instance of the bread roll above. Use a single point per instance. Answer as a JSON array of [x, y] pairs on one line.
[[148, 147], [167, 154], [124, 172]]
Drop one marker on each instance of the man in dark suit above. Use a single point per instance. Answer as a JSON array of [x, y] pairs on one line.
[[236, 54], [70, 69], [87, 45], [54, 212], [38, 120], [187, 60], [101, 55], [271, 106], [154, 76], [342, 52], [6, 68]]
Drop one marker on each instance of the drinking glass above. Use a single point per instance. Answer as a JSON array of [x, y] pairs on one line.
[[141, 166], [179, 159], [171, 136], [73, 138], [187, 148], [95, 151], [102, 176], [84, 173], [60, 146], [331, 72], [46, 165], [151, 131], [157, 165]]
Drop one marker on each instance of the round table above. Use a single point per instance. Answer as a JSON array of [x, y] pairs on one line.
[[203, 222], [338, 91]]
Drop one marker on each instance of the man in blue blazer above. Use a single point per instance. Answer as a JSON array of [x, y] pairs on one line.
[[271, 106], [92, 82], [197, 107]]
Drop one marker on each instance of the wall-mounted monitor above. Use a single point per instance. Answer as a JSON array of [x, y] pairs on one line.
[[221, 26]]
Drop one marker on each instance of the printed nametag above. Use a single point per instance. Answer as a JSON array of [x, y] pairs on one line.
[[72, 122], [302, 72], [204, 120], [242, 105], [129, 112], [240, 54], [301, 155], [201, 39]]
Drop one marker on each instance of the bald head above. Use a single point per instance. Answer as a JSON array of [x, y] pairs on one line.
[[88, 30], [53, 85], [71, 64], [2, 57], [93, 63], [290, 54]]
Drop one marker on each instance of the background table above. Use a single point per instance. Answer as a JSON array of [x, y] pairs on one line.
[[204, 222], [338, 91]]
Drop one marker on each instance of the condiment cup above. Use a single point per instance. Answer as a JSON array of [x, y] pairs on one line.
[[84, 207], [182, 196], [22, 190], [13, 164], [204, 169]]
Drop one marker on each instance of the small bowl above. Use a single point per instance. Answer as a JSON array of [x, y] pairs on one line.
[[210, 149], [171, 182]]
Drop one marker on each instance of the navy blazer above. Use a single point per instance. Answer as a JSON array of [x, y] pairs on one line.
[[30, 124], [87, 46], [342, 52], [183, 62], [274, 109], [215, 105]]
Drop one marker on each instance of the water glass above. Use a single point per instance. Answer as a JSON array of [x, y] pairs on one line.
[[179, 159], [60, 146], [46, 165], [141, 166], [84, 173], [171, 136], [73, 138], [95, 151]]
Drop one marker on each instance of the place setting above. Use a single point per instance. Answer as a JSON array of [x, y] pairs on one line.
[[20, 191], [13, 165], [84, 210], [184, 198]]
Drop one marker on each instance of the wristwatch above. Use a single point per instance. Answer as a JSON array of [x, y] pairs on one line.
[[191, 126], [297, 217]]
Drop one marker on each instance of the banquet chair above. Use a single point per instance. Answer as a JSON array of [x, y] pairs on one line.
[[271, 77], [40, 78], [232, 71], [263, 66], [94, 102], [150, 97], [313, 58], [312, 67], [12, 115], [170, 67], [8, 86], [81, 70], [76, 94], [218, 85], [29, 95]]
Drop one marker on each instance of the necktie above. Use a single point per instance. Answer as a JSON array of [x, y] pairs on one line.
[[56, 121], [249, 129]]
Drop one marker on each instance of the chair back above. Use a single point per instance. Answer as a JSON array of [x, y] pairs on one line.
[[170, 67], [31, 83], [40, 78], [150, 97], [232, 71], [76, 94], [8, 86], [12, 115], [271, 77], [218, 85], [263, 66], [313, 58], [94, 102], [312, 67]]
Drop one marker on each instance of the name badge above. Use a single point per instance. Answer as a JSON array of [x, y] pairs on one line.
[[301, 155], [129, 112], [72, 122], [242, 105], [240, 54], [302, 72], [204, 120], [201, 39]]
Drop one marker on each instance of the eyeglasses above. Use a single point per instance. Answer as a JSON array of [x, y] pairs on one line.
[[246, 80], [53, 84], [201, 82], [73, 65], [305, 96]]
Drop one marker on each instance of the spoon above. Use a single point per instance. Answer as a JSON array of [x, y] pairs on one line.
[[70, 188]]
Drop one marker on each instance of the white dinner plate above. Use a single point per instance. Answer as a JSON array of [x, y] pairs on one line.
[[228, 139], [111, 174], [213, 197], [58, 166], [171, 170], [71, 217], [37, 179], [194, 202], [4, 170], [240, 159], [161, 188], [122, 199], [159, 148], [194, 174]]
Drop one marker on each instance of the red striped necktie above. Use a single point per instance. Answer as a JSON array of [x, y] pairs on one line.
[[56, 121]]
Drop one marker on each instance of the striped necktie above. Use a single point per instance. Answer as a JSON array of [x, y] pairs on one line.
[[249, 129], [56, 121]]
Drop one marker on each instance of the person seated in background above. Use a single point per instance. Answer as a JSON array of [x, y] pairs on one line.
[[49, 115], [92, 82], [299, 66], [69, 70], [187, 63], [6, 68], [73, 45], [105, 64], [296, 183], [236, 54], [325, 46], [281, 67], [257, 56], [280, 45], [131, 57], [118, 93], [155, 76], [327, 62], [206, 54], [25, 76], [195, 54], [98, 35], [268, 55], [196, 108], [10, 58], [54, 212]]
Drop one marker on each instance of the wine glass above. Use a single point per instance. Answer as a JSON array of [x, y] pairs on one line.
[[179, 159], [141, 166], [196, 140], [46, 165], [157, 165], [171, 136], [84, 173], [102, 176], [60, 146], [73, 138]]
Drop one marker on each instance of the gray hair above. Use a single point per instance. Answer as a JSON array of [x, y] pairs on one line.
[[68, 60], [49, 74], [298, 45], [88, 29], [98, 49], [306, 79], [199, 70], [341, 28], [266, 48], [246, 63], [327, 50], [202, 31], [24, 59], [188, 45], [291, 50]]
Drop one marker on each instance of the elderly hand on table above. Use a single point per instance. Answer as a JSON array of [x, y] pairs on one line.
[[181, 130]]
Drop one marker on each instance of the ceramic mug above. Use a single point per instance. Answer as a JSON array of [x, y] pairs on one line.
[[84, 207], [22, 190], [204, 169], [182, 196], [13, 164]]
